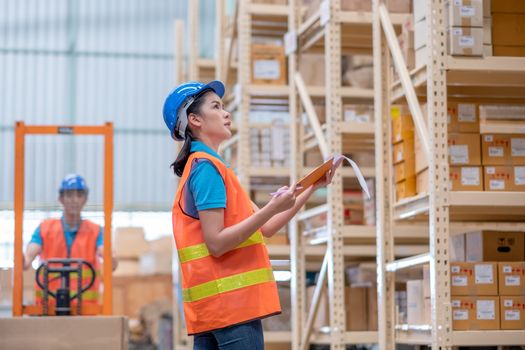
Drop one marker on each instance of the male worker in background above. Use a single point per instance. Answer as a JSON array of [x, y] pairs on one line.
[[69, 237]]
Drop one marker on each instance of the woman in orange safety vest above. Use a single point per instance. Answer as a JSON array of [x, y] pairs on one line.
[[227, 280]]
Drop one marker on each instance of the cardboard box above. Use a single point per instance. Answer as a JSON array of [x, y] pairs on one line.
[[465, 13], [131, 294], [507, 6], [503, 149], [403, 150], [127, 267], [504, 178], [402, 124], [155, 263], [457, 248], [468, 278], [462, 117], [268, 64], [420, 34], [487, 31], [464, 149], [356, 313], [372, 308], [465, 178], [312, 69], [130, 242], [404, 170], [415, 303], [508, 29], [475, 313], [406, 188], [511, 278], [54, 332], [422, 181], [494, 246], [165, 244], [513, 51], [465, 41], [512, 312]]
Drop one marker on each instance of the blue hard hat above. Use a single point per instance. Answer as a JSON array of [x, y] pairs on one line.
[[73, 182], [178, 101]]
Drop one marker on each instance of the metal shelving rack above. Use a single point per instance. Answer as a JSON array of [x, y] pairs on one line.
[[333, 32], [445, 212]]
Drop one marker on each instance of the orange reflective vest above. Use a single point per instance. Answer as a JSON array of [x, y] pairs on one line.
[[234, 288], [84, 246]]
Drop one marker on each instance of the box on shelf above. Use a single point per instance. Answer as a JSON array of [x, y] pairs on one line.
[[312, 69], [394, 6], [494, 246], [127, 267], [511, 278], [512, 312], [358, 113], [508, 29], [462, 117], [417, 312], [466, 178], [356, 308], [507, 6], [402, 124], [422, 181], [504, 178], [372, 308], [502, 112], [464, 149], [404, 170], [406, 188], [130, 242], [465, 41], [503, 149], [465, 13], [268, 64], [468, 278], [512, 51], [403, 150], [475, 313], [457, 248], [487, 12]]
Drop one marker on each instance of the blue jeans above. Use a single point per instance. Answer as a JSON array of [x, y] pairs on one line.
[[239, 337]]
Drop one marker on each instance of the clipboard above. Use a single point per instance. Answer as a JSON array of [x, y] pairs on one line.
[[314, 176]]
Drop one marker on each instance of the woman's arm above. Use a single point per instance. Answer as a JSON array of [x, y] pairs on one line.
[[220, 239], [279, 221], [30, 254]]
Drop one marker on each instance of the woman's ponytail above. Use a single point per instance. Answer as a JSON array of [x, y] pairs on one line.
[[184, 153]]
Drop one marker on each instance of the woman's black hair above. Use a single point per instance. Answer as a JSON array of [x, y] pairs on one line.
[[182, 158]]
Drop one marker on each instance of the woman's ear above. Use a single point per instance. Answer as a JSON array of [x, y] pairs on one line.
[[194, 120]]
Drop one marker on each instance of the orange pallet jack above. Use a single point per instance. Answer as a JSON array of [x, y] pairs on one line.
[[62, 307]]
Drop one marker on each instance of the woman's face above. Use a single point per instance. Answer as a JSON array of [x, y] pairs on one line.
[[215, 123]]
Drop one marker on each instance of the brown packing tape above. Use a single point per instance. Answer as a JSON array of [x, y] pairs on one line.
[[466, 22], [468, 52]]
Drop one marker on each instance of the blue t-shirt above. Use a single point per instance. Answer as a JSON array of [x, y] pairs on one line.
[[69, 235], [205, 187]]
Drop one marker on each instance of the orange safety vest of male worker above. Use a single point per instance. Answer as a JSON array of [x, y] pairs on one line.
[[231, 289], [83, 247]]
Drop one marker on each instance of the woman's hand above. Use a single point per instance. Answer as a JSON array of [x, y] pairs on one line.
[[284, 201], [325, 181]]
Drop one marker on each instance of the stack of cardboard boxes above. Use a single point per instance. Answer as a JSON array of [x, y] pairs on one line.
[[403, 152], [488, 281], [418, 299], [467, 34], [270, 146], [268, 64], [508, 31]]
